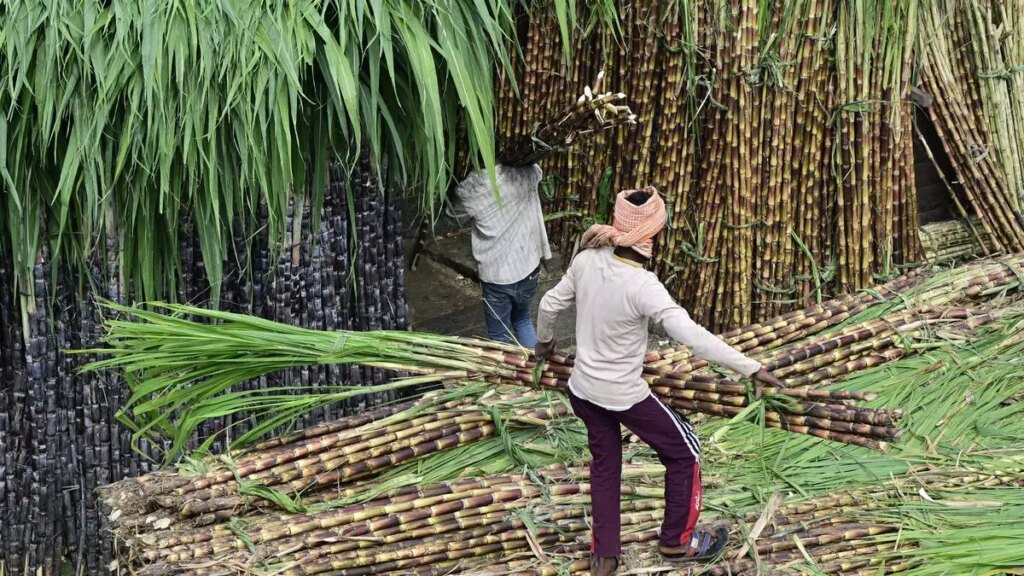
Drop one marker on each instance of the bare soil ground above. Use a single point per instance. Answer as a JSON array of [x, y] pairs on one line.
[[442, 300]]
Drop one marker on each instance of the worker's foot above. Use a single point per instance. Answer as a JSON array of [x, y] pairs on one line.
[[603, 565], [703, 546]]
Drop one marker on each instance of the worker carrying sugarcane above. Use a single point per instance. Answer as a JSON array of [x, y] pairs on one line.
[[509, 242], [615, 299]]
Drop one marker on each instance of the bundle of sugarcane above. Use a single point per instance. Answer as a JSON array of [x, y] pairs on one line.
[[682, 383], [192, 357], [778, 138], [997, 60], [830, 356], [673, 149], [917, 289], [364, 536], [729, 94], [800, 347], [950, 240], [826, 414], [319, 461], [61, 438], [978, 121], [976, 280], [724, 282], [876, 206], [793, 326], [183, 371], [437, 525], [282, 500], [593, 111], [892, 333], [431, 526], [644, 78], [858, 531], [756, 251]]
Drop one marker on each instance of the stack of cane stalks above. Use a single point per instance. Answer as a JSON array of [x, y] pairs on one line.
[[824, 345], [536, 523], [851, 532], [592, 112], [779, 133], [950, 240], [485, 478], [406, 528], [862, 531], [174, 400], [320, 493], [909, 312], [971, 64]]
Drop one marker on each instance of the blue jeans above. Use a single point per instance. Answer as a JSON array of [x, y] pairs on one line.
[[507, 309]]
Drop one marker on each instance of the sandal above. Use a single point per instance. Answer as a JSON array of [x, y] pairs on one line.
[[602, 565], [703, 546]]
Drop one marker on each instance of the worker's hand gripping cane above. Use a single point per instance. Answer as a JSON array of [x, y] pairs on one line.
[[763, 376], [544, 349]]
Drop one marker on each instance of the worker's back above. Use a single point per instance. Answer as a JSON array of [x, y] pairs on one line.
[[509, 238], [611, 330]]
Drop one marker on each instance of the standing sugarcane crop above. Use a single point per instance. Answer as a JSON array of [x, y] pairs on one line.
[[615, 299]]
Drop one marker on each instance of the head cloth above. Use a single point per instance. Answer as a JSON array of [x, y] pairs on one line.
[[632, 226]]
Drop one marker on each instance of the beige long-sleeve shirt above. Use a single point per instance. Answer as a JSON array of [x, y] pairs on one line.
[[615, 300]]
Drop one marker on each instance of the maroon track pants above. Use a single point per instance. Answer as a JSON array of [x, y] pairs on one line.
[[672, 437]]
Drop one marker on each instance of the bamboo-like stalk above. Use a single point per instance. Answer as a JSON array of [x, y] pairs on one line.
[[773, 420], [348, 470], [955, 116], [204, 542], [344, 445], [338, 425], [401, 528], [725, 387], [823, 417]]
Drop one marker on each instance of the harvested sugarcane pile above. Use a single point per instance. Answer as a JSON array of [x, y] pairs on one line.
[[951, 240], [852, 533], [863, 531], [184, 369], [186, 366], [781, 135], [432, 526], [315, 462], [395, 503]]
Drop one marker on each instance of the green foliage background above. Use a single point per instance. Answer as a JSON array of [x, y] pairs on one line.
[[120, 117]]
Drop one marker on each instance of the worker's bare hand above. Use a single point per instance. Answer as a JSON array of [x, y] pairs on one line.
[[544, 349], [766, 377], [763, 376]]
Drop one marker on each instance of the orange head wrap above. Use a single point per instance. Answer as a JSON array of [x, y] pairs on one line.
[[632, 226]]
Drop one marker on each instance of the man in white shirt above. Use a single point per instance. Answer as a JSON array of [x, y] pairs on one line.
[[615, 299], [509, 241]]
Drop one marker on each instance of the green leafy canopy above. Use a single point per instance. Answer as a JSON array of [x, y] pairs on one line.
[[120, 118]]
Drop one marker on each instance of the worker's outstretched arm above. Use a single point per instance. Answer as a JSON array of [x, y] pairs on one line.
[[658, 305]]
